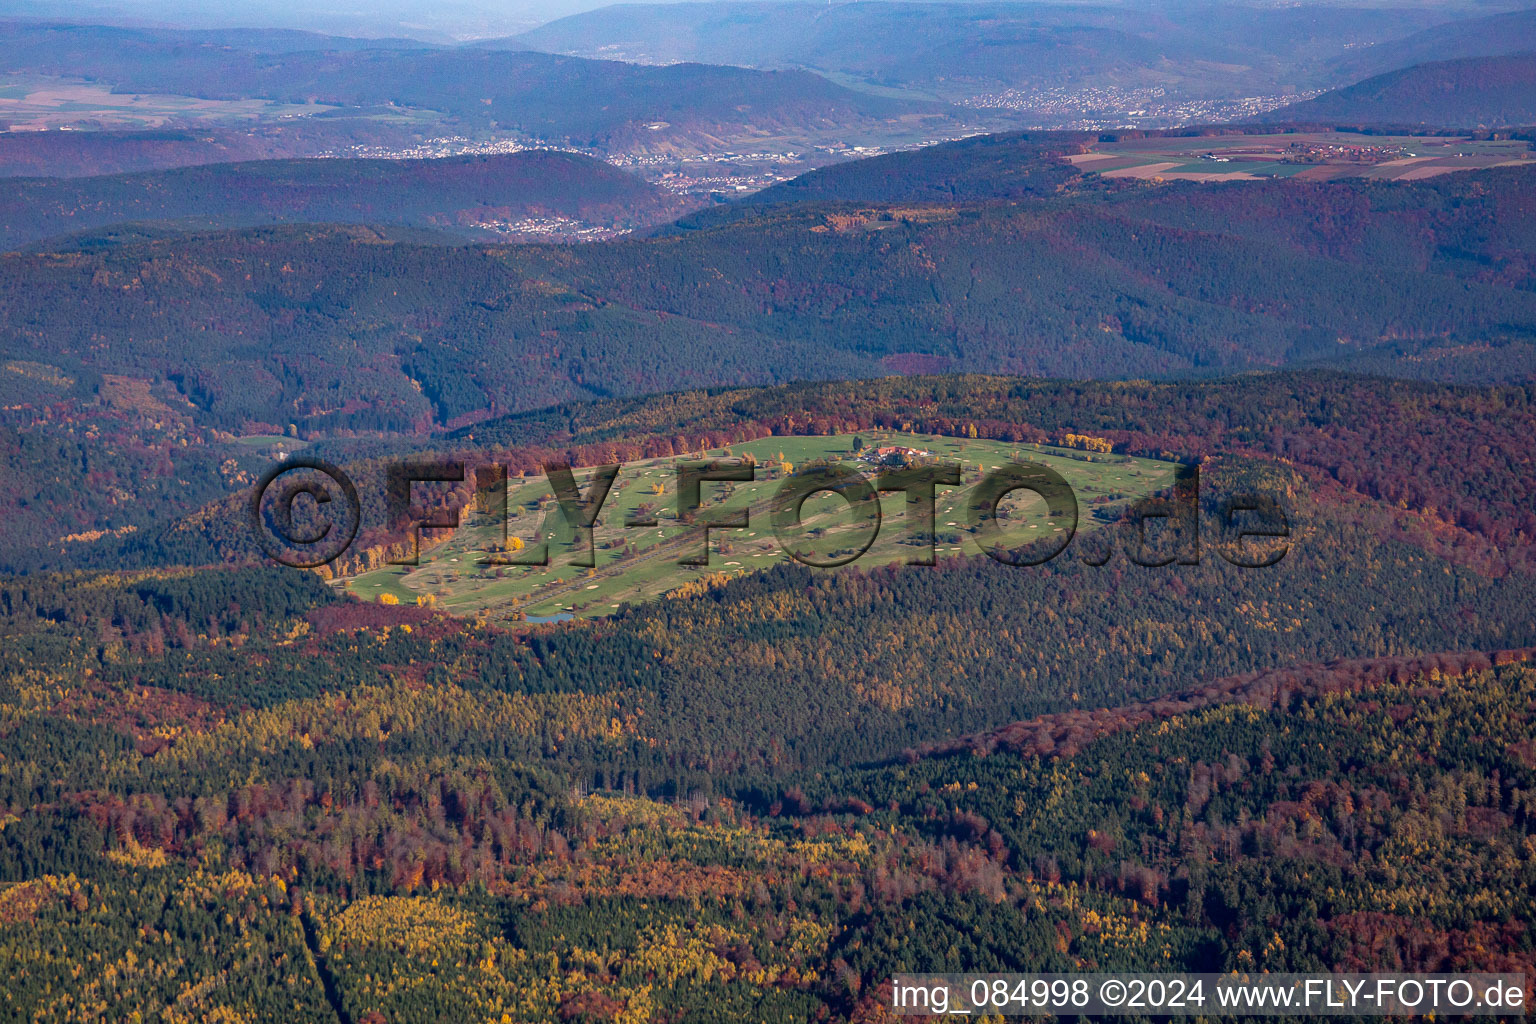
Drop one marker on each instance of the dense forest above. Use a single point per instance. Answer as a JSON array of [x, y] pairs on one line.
[[463, 195], [85, 154], [233, 792], [328, 330], [318, 809], [1013, 165]]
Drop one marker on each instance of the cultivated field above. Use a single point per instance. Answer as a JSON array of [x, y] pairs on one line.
[[37, 103], [1315, 155]]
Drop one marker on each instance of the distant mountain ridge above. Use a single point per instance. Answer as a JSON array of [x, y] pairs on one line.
[[1467, 93], [957, 50], [1493, 35], [34, 40], [564, 100], [457, 194]]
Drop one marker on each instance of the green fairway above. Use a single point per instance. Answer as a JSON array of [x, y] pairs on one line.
[[641, 563]]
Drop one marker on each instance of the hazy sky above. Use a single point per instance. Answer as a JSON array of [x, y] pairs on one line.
[[436, 20]]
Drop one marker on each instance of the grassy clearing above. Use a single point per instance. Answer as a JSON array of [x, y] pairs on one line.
[[641, 563]]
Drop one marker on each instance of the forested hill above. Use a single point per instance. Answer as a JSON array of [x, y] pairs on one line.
[[108, 151], [1462, 489], [1491, 35], [469, 195], [1008, 166], [1427, 278], [246, 793], [1471, 92]]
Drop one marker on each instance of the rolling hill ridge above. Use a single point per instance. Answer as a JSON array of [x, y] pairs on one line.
[[1427, 278], [569, 101], [964, 50], [1469, 92], [1491, 35], [470, 196]]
